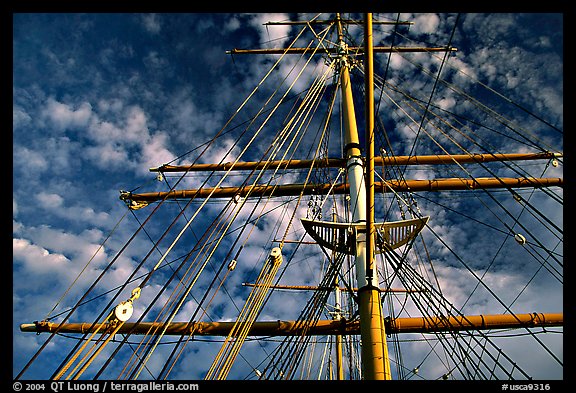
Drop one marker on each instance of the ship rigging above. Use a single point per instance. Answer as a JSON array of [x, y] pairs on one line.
[[349, 209]]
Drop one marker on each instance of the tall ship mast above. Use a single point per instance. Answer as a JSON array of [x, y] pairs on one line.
[[318, 246]]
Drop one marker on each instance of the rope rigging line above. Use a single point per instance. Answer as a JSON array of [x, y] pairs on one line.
[[64, 368], [85, 295], [442, 308], [227, 354], [248, 221], [288, 354], [489, 151], [488, 193], [47, 317], [492, 90], [81, 300], [507, 123], [160, 292], [238, 110], [226, 364], [435, 84], [466, 348], [494, 259], [509, 165], [388, 62], [183, 288], [471, 271], [190, 220], [280, 146], [244, 200]]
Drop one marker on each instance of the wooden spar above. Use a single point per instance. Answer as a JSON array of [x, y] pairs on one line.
[[341, 162], [343, 188], [353, 49], [322, 327], [328, 22], [342, 289]]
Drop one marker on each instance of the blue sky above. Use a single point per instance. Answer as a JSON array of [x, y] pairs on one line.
[[100, 98]]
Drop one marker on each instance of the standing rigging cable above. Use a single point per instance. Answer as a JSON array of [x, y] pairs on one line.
[[435, 83]]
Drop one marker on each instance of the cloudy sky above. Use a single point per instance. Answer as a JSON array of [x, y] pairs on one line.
[[98, 99]]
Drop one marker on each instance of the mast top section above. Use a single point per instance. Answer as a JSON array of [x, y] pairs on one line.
[[338, 21]]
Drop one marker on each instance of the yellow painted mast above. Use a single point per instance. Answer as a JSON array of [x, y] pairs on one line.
[[374, 354]]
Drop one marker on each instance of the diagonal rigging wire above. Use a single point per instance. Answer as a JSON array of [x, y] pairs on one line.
[[435, 84], [168, 264], [190, 220], [280, 147], [509, 124], [508, 213], [287, 356], [120, 252], [489, 289], [223, 362], [441, 308], [530, 206], [500, 95], [308, 176], [492, 197], [427, 108], [527, 204], [175, 273], [412, 98], [487, 168], [48, 316]]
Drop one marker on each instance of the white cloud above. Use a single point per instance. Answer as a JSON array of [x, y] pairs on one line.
[[108, 156], [155, 61], [446, 103], [155, 151], [37, 259], [63, 117], [423, 23], [115, 134], [49, 201], [151, 23], [113, 105], [136, 129], [31, 160], [103, 132], [276, 34], [232, 24], [20, 118]]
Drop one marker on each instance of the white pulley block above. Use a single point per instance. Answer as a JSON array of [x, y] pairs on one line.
[[124, 311]]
